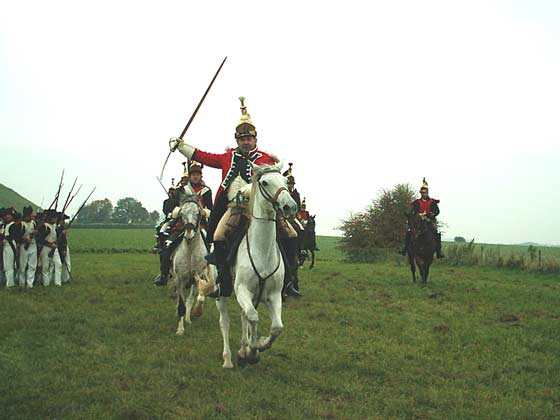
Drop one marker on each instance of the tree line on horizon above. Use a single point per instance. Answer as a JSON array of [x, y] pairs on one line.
[[128, 210]]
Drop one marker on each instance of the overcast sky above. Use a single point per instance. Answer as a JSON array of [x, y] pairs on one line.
[[359, 95]]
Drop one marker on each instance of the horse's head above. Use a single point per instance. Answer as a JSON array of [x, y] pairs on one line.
[[272, 187], [418, 223], [190, 212], [311, 223]]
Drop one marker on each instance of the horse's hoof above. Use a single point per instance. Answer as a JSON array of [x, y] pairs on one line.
[[227, 365], [253, 359], [242, 361], [180, 332]]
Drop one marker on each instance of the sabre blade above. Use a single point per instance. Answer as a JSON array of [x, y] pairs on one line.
[[193, 115]]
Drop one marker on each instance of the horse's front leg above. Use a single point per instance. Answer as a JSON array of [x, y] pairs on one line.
[[245, 299], [181, 309], [312, 259], [274, 304], [243, 352], [199, 305], [221, 304], [190, 301]]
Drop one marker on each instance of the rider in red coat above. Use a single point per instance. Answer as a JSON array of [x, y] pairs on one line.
[[236, 177], [429, 207]]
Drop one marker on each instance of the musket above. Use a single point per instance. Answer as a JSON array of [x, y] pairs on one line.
[[80, 209], [72, 198], [161, 183], [65, 206], [192, 116], [55, 201]]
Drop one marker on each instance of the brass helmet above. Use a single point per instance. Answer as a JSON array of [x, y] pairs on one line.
[[288, 174], [245, 127], [185, 175], [424, 185], [195, 166]]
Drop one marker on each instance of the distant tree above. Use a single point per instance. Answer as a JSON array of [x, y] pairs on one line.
[[382, 225], [98, 211], [460, 239], [154, 217], [129, 210]]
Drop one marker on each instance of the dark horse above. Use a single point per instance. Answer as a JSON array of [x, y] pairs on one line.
[[308, 242], [422, 246]]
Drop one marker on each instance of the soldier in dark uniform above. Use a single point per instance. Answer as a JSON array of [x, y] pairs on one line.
[[429, 207], [291, 244], [63, 250], [191, 184]]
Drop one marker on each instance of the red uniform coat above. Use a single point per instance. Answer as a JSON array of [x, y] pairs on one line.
[[232, 163], [429, 206]]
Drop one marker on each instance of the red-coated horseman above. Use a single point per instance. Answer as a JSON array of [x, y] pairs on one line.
[[425, 205], [232, 196]]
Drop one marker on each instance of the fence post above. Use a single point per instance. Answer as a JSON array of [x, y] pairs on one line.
[[481, 255], [540, 259]]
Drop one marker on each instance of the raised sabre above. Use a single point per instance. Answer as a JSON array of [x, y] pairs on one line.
[[192, 116]]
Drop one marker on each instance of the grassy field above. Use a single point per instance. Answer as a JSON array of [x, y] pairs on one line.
[[363, 342]]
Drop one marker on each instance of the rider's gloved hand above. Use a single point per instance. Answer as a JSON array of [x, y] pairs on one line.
[[174, 143]]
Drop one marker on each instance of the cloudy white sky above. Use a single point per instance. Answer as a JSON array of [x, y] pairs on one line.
[[359, 95]]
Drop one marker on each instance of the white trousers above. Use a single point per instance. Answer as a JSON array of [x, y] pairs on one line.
[[8, 256], [47, 263], [27, 264], [66, 268]]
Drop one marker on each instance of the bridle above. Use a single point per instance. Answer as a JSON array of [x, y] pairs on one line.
[[272, 199], [194, 199]]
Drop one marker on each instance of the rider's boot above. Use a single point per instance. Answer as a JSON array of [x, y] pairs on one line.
[[291, 248], [224, 285], [164, 267], [293, 289], [404, 249]]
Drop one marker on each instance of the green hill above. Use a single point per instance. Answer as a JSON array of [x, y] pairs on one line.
[[9, 198]]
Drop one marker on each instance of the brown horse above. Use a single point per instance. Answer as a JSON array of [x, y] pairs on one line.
[[308, 243], [422, 246]]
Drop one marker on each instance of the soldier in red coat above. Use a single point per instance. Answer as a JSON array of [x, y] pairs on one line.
[[231, 196], [429, 207]]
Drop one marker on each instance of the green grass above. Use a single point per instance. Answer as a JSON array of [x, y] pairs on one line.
[[363, 342], [9, 198]]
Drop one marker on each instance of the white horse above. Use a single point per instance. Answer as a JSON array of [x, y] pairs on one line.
[[189, 267], [258, 269]]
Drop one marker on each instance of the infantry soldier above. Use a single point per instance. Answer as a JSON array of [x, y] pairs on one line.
[[27, 247], [46, 237], [63, 249], [429, 207], [229, 203], [7, 236]]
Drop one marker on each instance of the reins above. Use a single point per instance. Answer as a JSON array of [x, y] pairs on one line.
[[273, 199]]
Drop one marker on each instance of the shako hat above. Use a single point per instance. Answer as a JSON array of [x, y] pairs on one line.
[[424, 185], [27, 211], [49, 214], [288, 173], [245, 127]]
